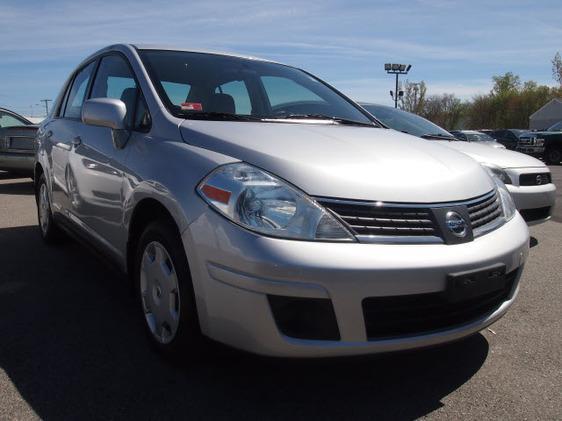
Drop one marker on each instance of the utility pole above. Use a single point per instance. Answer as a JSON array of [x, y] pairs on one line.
[[397, 69], [46, 101]]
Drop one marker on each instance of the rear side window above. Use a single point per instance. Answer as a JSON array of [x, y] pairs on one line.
[[77, 93]]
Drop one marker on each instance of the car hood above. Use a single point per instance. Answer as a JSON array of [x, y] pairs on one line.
[[501, 157], [332, 160], [544, 133]]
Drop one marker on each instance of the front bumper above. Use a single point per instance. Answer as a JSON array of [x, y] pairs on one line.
[[530, 199], [21, 162], [234, 271]]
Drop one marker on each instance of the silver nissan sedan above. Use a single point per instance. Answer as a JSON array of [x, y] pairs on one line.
[[253, 204]]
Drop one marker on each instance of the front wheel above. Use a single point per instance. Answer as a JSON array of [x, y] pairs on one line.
[[165, 291], [553, 156]]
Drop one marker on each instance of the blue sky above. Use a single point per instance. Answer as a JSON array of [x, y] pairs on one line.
[[455, 46]]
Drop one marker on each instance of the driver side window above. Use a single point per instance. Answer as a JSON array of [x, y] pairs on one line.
[[114, 79]]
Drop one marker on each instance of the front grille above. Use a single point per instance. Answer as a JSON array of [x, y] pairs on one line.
[[484, 211], [376, 219], [527, 141], [369, 219], [406, 315], [535, 179]]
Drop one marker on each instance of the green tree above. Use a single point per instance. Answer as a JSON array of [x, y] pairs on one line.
[[506, 84]]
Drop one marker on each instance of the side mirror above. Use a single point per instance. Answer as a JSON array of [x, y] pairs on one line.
[[105, 112]]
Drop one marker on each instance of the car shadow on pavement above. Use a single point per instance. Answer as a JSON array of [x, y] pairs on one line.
[[73, 346], [22, 186]]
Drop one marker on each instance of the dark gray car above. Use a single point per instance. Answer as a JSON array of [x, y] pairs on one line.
[[17, 143]]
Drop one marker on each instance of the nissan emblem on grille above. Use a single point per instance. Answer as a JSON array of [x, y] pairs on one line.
[[456, 224]]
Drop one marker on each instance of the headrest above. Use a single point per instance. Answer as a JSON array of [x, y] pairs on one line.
[[129, 96], [221, 103]]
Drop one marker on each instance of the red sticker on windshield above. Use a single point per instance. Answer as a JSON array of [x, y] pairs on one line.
[[192, 106]]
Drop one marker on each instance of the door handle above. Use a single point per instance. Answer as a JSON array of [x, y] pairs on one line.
[[77, 141]]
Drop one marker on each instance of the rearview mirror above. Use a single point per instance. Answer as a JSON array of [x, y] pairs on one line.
[[105, 112]]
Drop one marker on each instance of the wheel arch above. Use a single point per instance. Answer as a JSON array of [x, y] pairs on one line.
[[146, 211]]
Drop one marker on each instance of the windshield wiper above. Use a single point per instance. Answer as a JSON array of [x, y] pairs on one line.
[[437, 136], [339, 120], [212, 115]]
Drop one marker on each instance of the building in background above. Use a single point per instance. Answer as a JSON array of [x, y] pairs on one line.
[[549, 114]]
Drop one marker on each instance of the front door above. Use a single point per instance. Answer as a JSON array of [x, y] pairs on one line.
[[97, 165], [60, 135]]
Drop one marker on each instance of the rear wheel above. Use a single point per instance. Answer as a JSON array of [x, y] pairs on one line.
[[553, 156], [165, 291], [48, 228]]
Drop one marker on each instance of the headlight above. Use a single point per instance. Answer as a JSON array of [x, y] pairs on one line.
[[499, 173], [508, 205], [265, 204]]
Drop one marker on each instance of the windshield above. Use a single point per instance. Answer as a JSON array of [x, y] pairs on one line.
[[212, 86], [478, 137], [406, 122], [555, 127]]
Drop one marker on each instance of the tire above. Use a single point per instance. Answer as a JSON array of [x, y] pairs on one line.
[[553, 156], [165, 292], [48, 228]]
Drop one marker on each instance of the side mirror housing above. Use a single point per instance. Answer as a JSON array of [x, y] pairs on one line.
[[105, 112]]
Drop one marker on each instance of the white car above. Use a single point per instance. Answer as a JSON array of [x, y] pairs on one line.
[[528, 180]]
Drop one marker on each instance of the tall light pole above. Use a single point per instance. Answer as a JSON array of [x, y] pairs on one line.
[[397, 69], [46, 101]]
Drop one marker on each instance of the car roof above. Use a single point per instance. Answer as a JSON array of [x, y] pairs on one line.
[[192, 50]]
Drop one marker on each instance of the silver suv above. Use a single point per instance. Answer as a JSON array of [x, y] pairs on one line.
[[252, 203]]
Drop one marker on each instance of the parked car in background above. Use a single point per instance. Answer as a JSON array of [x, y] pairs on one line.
[[518, 140], [17, 143], [507, 137], [253, 203], [528, 180], [477, 137], [552, 138]]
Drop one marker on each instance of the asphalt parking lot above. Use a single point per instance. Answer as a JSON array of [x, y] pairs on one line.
[[72, 347]]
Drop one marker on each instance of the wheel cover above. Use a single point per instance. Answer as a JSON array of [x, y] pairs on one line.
[[555, 155], [160, 293], [44, 208]]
